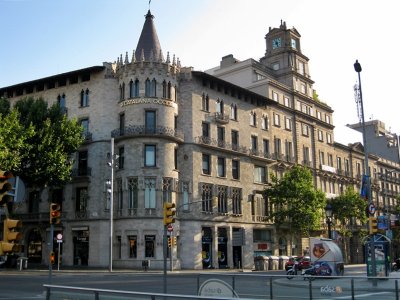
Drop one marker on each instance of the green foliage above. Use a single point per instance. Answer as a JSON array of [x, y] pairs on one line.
[[4, 106], [47, 159], [349, 205], [295, 200], [13, 141]]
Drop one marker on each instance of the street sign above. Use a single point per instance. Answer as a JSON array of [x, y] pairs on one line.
[[170, 228], [59, 238], [371, 209]]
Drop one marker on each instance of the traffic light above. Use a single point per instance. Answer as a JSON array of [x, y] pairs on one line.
[[55, 213], [173, 241], [52, 258], [169, 213], [5, 186], [169, 242], [373, 225], [11, 236]]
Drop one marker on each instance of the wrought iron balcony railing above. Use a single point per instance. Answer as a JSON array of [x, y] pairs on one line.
[[142, 130]]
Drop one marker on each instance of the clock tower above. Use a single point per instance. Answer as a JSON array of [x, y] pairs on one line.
[[284, 57]]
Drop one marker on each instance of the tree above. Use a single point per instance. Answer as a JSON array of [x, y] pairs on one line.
[[47, 161], [295, 200], [13, 138], [348, 208]]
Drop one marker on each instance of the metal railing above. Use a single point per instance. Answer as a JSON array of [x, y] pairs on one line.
[[250, 286]]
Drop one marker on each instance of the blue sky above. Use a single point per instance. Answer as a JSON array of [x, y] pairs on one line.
[[41, 38]]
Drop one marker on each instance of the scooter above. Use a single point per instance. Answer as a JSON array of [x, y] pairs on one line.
[[292, 271]]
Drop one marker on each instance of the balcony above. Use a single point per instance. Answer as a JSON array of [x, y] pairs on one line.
[[205, 140], [221, 118], [87, 137], [142, 130], [81, 172]]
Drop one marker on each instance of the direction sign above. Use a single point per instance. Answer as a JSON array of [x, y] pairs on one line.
[[371, 209]]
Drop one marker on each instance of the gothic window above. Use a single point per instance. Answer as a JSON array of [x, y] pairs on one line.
[[81, 199], [222, 199], [149, 192], [147, 85], [169, 90], [237, 201], [133, 193], [153, 92], [206, 197], [164, 89], [167, 189], [205, 102], [84, 98]]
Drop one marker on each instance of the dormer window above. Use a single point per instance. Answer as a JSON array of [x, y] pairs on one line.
[[293, 43]]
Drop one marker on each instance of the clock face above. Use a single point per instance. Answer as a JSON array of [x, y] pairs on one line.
[[293, 43], [276, 43]]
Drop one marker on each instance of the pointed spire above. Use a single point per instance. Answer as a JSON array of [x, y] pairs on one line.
[[120, 59], [161, 56], [173, 60], [133, 56], [142, 57], [168, 60], [126, 58], [148, 40]]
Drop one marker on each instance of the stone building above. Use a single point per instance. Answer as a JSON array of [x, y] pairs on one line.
[[206, 141]]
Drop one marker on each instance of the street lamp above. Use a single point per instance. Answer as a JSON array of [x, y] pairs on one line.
[[328, 213], [357, 68], [110, 191]]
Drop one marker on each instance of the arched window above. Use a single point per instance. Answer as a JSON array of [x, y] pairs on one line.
[[169, 90], [85, 98], [147, 86], [122, 91], [219, 107], [233, 111], [153, 88], [136, 89], [164, 89]]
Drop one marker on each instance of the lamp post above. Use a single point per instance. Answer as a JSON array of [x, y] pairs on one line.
[[357, 68], [110, 191], [328, 213]]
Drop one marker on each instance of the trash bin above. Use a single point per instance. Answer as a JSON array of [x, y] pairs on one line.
[[282, 261], [145, 264], [258, 263], [265, 262], [274, 260], [22, 263]]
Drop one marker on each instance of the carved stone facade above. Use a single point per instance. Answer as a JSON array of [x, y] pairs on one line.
[[206, 141]]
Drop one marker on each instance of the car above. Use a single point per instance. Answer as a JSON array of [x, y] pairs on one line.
[[304, 262]]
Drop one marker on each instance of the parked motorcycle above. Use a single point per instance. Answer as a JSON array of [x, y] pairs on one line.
[[292, 271]]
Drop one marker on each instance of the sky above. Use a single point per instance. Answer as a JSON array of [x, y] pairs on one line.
[[41, 38]]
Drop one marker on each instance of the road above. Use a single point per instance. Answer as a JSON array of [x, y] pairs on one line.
[[253, 285]]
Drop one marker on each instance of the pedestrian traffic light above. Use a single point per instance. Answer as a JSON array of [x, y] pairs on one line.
[[55, 213], [5, 186], [11, 236], [52, 258], [169, 213], [373, 225]]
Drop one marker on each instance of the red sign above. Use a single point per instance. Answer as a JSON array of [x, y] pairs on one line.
[[262, 246], [170, 228]]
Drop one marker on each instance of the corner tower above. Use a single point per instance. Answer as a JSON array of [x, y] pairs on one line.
[[284, 56]]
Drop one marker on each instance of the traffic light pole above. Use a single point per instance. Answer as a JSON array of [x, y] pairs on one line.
[[165, 244], [50, 250]]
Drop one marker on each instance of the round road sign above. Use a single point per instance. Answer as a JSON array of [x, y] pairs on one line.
[[170, 228]]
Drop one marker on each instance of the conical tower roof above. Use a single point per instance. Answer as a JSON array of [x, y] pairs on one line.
[[148, 41]]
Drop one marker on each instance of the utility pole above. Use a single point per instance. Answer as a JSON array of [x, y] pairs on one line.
[[357, 68]]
